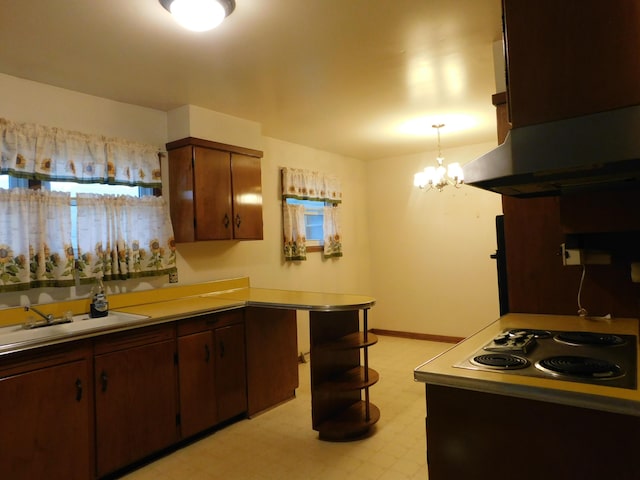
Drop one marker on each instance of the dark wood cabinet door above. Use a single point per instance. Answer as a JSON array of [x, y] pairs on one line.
[[181, 194], [480, 436], [196, 371], [215, 191], [569, 58], [212, 194], [136, 405], [46, 424], [247, 197], [230, 371], [272, 356]]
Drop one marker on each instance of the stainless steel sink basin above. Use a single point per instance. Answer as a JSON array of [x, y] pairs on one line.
[[17, 336]]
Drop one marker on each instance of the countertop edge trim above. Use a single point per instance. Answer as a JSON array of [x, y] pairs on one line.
[[563, 397]]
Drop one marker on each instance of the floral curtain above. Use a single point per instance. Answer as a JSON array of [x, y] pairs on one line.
[[124, 237], [48, 153], [35, 239], [308, 185], [332, 232], [295, 243]]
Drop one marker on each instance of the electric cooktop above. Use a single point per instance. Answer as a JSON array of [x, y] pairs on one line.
[[586, 357]]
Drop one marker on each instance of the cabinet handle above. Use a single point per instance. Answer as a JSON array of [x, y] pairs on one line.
[[207, 353], [225, 221], [78, 390], [221, 349], [238, 221], [104, 379]]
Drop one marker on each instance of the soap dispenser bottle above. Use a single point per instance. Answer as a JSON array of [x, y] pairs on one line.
[[99, 304]]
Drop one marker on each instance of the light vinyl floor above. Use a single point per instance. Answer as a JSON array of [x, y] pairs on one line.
[[281, 444]]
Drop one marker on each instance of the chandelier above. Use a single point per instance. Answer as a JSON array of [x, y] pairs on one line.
[[439, 177]]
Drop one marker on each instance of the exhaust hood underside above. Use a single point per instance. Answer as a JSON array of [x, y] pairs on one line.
[[599, 151]]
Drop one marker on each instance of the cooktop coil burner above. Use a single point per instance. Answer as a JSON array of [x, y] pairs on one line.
[[500, 361], [590, 338], [577, 366]]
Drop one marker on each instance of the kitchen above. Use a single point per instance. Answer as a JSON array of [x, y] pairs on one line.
[[428, 292]]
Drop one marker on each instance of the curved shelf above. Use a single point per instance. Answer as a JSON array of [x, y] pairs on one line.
[[350, 423], [351, 341], [354, 379]]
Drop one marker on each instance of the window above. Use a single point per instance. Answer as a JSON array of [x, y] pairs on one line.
[[74, 188], [7, 181], [313, 220], [311, 213]]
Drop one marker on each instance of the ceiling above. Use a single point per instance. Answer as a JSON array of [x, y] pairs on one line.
[[353, 77]]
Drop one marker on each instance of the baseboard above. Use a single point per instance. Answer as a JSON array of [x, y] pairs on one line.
[[416, 336]]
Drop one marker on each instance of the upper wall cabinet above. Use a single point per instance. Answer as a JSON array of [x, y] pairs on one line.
[[570, 58], [215, 191]]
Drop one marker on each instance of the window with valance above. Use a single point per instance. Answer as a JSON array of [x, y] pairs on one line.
[[298, 188], [48, 238]]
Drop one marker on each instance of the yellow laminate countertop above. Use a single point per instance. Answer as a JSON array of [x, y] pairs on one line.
[[441, 371], [144, 310]]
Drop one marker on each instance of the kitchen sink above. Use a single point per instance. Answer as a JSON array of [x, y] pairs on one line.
[[17, 336]]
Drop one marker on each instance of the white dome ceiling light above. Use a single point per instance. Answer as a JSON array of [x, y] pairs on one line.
[[199, 15]]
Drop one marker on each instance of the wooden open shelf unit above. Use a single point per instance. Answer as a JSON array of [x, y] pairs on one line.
[[340, 375]]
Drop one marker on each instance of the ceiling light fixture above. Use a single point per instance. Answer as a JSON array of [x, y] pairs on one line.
[[439, 177], [199, 15]]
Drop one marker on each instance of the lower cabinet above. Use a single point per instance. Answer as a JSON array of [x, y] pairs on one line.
[[45, 419], [272, 357], [231, 371], [135, 395], [472, 434], [211, 370], [196, 370], [88, 409]]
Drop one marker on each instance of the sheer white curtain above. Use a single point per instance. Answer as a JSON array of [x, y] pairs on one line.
[[332, 230], [124, 237], [295, 242], [35, 239]]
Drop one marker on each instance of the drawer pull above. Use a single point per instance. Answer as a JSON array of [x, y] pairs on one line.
[[104, 380], [78, 390]]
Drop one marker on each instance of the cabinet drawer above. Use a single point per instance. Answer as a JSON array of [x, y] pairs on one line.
[[44, 357], [209, 321], [134, 338]]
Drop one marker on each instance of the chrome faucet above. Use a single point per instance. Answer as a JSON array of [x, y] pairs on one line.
[[48, 318]]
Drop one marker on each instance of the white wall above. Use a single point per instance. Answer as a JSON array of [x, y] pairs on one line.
[[32, 102], [430, 250]]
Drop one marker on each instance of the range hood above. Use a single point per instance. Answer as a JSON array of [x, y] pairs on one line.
[[596, 151]]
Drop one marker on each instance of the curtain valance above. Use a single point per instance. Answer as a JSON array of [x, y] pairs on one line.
[[49, 153], [308, 185]]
